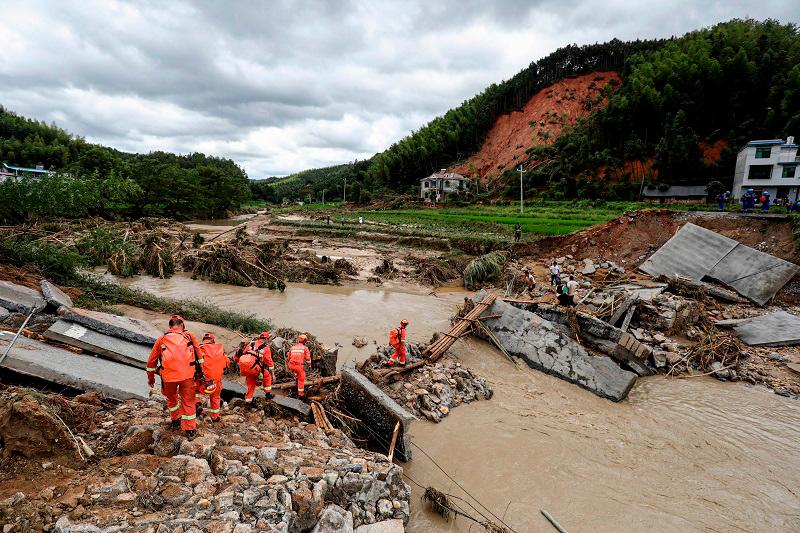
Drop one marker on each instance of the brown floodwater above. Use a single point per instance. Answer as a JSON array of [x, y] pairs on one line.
[[335, 314], [690, 454]]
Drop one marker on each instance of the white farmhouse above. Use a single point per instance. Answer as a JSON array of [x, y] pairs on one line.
[[438, 185], [768, 165]]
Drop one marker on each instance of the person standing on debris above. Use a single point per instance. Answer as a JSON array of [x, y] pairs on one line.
[[299, 355], [397, 338], [328, 220], [214, 364], [176, 357], [530, 281], [765, 201], [517, 232], [256, 365], [555, 270], [570, 290]]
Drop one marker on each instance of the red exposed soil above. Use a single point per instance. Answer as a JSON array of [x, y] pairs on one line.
[[629, 239], [540, 122], [712, 152]]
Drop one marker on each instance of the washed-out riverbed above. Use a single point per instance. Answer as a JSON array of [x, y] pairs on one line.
[[690, 454]]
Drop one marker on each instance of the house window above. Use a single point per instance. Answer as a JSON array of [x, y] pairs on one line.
[[763, 152], [788, 171], [760, 172], [426, 185], [447, 183]]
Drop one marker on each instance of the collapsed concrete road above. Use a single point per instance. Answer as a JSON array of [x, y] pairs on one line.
[[122, 327], [113, 348], [79, 371], [364, 400], [19, 299], [550, 348]]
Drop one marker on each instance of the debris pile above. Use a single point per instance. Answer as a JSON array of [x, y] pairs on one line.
[[252, 471], [432, 390]]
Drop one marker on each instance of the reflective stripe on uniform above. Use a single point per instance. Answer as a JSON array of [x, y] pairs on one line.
[[272, 368], [188, 417], [150, 369], [267, 389], [248, 400], [301, 390], [201, 361], [213, 410], [173, 409]]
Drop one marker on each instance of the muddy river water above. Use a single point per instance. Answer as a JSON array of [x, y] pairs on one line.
[[690, 454]]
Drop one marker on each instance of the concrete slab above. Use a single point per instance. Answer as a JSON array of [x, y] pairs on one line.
[[55, 296], [108, 347], [364, 400], [543, 345], [79, 371], [692, 252], [774, 329], [19, 299], [122, 327], [293, 404], [755, 275]]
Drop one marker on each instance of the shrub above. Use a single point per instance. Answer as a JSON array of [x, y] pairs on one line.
[[483, 269]]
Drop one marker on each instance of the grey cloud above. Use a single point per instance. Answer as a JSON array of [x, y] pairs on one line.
[[285, 85]]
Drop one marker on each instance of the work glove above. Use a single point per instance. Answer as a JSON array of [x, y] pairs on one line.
[[260, 378]]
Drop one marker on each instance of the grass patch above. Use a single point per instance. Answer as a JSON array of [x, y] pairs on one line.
[[484, 269]]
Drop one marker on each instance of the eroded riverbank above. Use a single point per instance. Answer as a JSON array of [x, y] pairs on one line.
[[678, 454]]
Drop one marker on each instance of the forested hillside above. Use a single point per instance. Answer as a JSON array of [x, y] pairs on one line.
[[95, 180], [716, 87], [722, 86]]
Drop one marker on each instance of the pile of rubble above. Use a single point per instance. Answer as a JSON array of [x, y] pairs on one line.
[[429, 391], [257, 470]]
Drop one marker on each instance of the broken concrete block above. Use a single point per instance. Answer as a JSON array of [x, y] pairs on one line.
[[293, 404], [55, 296], [364, 400], [123, 327], [20, 299], [774, 329], [79, 371], [119, 350], [543, 345], [588, 267], [4, 314]]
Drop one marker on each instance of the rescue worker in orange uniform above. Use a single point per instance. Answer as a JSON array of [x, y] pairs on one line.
[[214, 364], [397, 338], [299, 355], [175, 357], [256, 364]]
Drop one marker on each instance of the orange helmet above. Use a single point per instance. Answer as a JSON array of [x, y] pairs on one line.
[[264, 335], [208, 387], [302, 338], [404, 322], [210, 336]]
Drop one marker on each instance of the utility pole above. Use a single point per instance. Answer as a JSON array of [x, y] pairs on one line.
[[521, 172], [345, 190], [323, 196]]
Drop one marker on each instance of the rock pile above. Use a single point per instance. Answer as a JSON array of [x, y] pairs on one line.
[[433, 390], [254, 471]]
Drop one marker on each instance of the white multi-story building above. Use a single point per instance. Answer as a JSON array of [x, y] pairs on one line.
[[768, 165], [436, 187]]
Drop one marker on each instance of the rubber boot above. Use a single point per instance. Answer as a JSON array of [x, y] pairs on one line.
[[175, 424], [191, 434]]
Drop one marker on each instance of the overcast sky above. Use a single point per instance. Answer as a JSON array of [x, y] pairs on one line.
[[284, 86]]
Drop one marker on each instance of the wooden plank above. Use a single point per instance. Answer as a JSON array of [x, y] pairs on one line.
[[292, 384], [628, 317], [394, 440]]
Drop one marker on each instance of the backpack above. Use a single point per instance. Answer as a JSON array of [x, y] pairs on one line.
[[177, 358], [394, 337]]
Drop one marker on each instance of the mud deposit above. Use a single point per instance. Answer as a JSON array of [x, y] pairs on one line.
[[690, 454]]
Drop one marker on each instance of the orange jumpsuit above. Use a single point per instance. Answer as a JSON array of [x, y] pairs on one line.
[[214, 364], [254, 362], [298, 355], [174, 352], [397, 338]]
